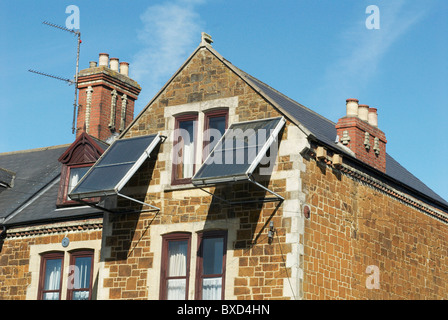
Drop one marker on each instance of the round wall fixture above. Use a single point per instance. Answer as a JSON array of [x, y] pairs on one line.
[[306, 212], [65, 242]]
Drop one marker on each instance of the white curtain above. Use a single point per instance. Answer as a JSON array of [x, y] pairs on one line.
[[52, 279], [80, 295], [188, 156], [74, 179], [75, 175], [188, 160], [82, 278], [177, 267], [176, 289], [211, 288]]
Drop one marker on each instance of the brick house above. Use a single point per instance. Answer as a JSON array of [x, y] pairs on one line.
[[50, 244], [224, 188]]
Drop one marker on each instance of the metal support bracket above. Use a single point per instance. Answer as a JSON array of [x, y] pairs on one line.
[[276, 198], [138, 201]]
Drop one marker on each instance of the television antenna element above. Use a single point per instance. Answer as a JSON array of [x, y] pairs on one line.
[[70, 82]]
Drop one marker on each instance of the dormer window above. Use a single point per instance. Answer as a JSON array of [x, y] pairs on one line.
[[73, 174], [76, 174], [76, 161]]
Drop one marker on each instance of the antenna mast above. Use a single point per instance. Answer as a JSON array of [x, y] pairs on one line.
[[70, 82]]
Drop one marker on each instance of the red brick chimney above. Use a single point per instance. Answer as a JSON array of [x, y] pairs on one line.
[[358, 130], [106, 98]]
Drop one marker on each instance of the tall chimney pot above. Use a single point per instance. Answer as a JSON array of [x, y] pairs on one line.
[[373, 117], [352, 107], [104, 59], [114, 64], [363, 112], [124, 68]]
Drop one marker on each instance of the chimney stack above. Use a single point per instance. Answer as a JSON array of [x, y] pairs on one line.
[[358, 130], [106, 98]]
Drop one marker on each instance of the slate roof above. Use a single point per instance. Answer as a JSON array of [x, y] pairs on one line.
[[324, 130], [34, 170], [33, 195]]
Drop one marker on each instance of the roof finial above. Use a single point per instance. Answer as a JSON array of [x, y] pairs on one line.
[[206, 39]]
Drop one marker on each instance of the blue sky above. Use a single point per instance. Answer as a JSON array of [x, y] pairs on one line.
[[319, 53]]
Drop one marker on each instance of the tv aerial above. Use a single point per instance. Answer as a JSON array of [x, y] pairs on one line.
[[69, 81]]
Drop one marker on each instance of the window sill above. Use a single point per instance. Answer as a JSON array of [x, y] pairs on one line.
[[171, 187]]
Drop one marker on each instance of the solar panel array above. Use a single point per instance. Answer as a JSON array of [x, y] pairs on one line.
[[114, 168], [238, 151]]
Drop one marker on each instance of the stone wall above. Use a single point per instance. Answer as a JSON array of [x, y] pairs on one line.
[[21, 251], [256, 268], [364, 243]]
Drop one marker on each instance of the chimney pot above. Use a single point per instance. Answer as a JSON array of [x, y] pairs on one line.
[[373, 117], [124, 68], [114, 64], [363, 112], [352, 107], [92, 64], [104, 59]]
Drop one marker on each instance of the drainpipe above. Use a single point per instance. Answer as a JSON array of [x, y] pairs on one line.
[[2, 236]]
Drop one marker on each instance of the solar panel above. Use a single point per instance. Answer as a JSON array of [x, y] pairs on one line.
[[239, 151], [115, 167]]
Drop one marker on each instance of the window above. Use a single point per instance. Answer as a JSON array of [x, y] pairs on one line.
[[71, 175], [76, 161], [75, 279], [80, 276], [207, 255], [215, 124], [51, 276], [211, 265], [76, 174], [185, 137], [175, 266]]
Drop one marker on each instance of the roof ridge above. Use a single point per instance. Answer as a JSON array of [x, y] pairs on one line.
[[35, 149]]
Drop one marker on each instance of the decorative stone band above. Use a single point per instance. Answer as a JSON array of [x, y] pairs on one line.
[[24, 232], [89, 92], [124, 100], [113, 109], [404, 198]]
